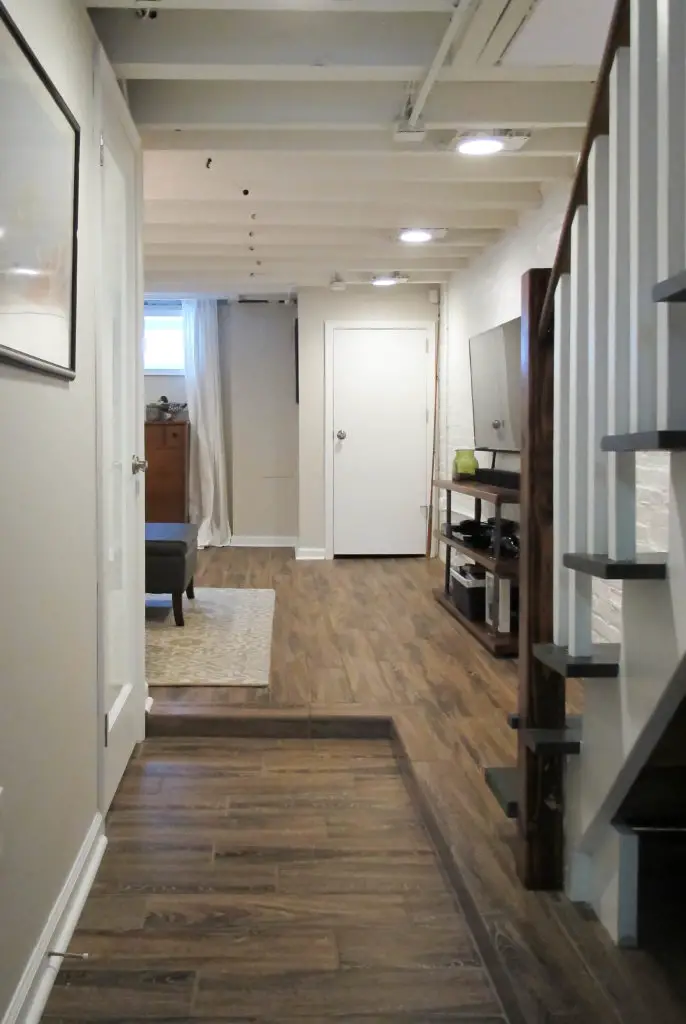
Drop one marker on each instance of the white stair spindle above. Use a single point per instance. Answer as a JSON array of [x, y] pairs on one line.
[[643, 222], [579, 584], [621, 467], [561, 464], [598, 244], [671, 346]]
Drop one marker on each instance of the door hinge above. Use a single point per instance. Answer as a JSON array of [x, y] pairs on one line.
[[102, 150], [427, 415], [427, 346]]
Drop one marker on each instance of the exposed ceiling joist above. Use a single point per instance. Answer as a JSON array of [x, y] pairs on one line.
[[294, 105], [186, 175], [438, 146], [452, 105], [381, 215]]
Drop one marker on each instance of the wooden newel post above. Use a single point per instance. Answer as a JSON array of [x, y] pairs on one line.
[[540, 845]]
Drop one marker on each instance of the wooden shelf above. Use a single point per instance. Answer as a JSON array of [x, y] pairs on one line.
[[499, 566], [482, 492], [501, 645]]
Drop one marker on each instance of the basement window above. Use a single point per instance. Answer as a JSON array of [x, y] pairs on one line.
[[163, 343]]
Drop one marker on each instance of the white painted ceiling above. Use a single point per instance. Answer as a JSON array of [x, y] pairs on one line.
[[293, 103]]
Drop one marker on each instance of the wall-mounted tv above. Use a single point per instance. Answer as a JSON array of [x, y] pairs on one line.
[[495, 364]]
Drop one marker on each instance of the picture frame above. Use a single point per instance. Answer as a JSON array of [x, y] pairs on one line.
[[40, 142]]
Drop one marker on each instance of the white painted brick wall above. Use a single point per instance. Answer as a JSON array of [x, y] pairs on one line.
[[487, 294]]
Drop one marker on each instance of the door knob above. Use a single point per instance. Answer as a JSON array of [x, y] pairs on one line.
[[138, 465], [497, 424], [341, 435]]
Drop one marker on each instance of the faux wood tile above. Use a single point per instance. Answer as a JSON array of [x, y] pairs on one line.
[[365, 637], [369, 992], [311, 893]]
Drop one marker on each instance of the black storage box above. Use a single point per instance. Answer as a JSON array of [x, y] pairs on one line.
[[468, 593]]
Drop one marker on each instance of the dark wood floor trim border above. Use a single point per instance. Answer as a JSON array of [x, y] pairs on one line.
[[271, 725], [502, 983], [302, 725]]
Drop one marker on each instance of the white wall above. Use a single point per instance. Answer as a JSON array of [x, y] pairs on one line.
[[171, 385], [48, 716], [261, 418], [315, 307], [487, 294]]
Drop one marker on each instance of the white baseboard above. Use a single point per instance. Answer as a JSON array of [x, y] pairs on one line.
[[39, 975], [241, 541], [310, 554]]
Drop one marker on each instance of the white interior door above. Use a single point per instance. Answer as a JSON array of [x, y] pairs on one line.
[[380, 404], [121, 611]]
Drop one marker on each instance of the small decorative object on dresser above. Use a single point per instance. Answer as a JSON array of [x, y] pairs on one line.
[[166, 481]]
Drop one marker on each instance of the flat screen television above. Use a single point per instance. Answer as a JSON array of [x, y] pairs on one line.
[[495, 365]]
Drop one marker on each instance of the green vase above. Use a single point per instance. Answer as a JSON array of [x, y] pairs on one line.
[[464, 464]]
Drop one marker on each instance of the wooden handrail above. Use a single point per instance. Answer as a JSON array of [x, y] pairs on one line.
[[598, 124]]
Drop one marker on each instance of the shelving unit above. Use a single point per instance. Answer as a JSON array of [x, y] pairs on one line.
[[501, 645]]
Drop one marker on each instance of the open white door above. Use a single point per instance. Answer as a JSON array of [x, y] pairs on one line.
[[120, 415]]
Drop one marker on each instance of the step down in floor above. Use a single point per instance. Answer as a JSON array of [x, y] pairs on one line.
[[647, 441], [673, 289], [504, 784], [555, 741], [652, 566], [602, 663]]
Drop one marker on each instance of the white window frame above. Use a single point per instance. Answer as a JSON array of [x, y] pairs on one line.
[[161, 309]]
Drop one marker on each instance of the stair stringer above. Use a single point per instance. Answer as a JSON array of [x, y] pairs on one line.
[[623, 721]]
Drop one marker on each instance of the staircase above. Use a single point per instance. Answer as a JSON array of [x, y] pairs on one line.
[[615, 309]]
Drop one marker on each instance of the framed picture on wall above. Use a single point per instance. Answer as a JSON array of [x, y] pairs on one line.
[[39, 184]]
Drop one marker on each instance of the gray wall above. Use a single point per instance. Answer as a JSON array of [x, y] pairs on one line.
[[48, 668], [261, 419]]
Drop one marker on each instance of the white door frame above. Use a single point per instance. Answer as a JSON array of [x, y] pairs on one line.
[[108, 94], [330, 326]]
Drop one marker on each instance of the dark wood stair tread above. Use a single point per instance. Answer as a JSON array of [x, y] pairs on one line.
[[555, 741], [651, 566], [646, 441], [602, 663], [673, 289], [504, 785]]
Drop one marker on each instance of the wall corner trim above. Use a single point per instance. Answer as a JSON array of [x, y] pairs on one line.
[[310, 554], [35, 985], [243, 541]]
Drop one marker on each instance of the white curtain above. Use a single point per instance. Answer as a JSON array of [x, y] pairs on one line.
[[208, 492]]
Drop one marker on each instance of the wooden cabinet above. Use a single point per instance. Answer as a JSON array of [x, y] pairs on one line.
[[166, 482]]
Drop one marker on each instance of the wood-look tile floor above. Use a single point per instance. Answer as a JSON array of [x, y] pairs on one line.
[[366, 635], [276, 881]]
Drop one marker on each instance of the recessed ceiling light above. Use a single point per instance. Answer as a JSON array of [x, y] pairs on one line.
[[480, 147], [415, 236], [388, 280]]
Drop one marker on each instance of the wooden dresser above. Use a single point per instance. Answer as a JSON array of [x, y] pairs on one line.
[[166, 481]]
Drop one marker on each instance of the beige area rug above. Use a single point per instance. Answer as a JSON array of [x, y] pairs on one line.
[[226, 640]]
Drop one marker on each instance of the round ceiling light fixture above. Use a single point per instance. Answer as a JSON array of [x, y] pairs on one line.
[[485, 145], [416, 236]]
